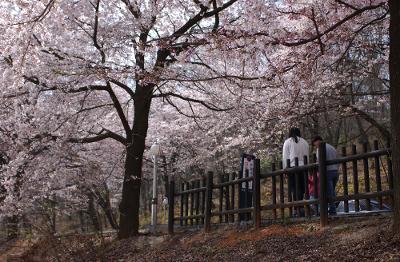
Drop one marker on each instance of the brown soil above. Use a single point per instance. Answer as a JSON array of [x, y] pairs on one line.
[[368, 239]]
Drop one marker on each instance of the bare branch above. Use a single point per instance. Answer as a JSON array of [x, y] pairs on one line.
[[107, 88], [346, 4], [123, 86], [382, 129], [35, 80], [216, 23], [326, 31], [94, 107], [120, 112], [197, 101], [163, 53], [41, 16], [101, 136], [95, 32], [321, 45], [133, 9]]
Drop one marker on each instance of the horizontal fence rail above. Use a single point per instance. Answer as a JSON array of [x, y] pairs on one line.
[[365, 184]]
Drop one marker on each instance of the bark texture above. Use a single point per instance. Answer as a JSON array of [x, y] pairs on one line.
[[394, 68], [129, 207]]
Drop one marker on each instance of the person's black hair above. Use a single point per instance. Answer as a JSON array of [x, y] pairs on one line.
[[294, 133], [317, 138], [297, 131]]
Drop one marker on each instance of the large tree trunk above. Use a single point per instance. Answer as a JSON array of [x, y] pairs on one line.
[[394, 68], [130, 203]]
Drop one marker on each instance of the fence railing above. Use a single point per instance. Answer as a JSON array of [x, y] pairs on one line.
[[203, 202]]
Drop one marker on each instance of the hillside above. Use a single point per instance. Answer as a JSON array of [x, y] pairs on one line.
[[361, 239]]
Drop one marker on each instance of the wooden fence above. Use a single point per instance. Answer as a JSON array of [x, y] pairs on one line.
[[205, 201]]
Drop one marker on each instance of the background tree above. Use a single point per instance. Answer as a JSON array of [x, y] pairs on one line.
[[394, 64], [124, 53]]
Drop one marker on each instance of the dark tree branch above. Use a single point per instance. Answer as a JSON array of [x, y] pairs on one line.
[[41, 16], [328, 30], [106, 88], [101, 136], [86, 88], [216, 23], [357, 32], [211, 78], [220, 9], [94, 107], [124, 87], [321, 45], [120, 112], [35, 80], [346, 4], [203, 103], [139, 54], [132, 9], [95, 32], [178, 109], [383, 130], [193, 116], [163, 53], [197, 18]]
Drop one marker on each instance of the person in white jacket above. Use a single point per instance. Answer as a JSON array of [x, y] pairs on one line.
[[295, 147]]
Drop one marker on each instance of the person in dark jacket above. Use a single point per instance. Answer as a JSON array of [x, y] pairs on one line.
[[332, 175]]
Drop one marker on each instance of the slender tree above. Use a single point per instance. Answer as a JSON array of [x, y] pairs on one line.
[[394, 67]]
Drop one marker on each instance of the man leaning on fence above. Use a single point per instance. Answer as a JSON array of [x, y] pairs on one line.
[[332, 175]]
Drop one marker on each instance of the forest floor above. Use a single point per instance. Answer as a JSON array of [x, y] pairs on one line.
[[355, 239]]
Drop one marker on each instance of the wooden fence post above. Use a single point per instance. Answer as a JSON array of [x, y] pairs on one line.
[[221, 196], [227, 204], [197, 202], [378, 175], [316, 183], [209, 189], [193, 185], [367, 186], [187, 187], [203, 199], [256, 194], [290, 189], [390, 172], [297, 188], [323, 194], [345, 182], [233, 177], [282, 190], [306, 189], [355, 179], [273, 168], [182, 207], [171, 206], [239, 188]]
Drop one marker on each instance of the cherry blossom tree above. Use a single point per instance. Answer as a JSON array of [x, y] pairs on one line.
[[393, 8], [310, 43], [88, 56]]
